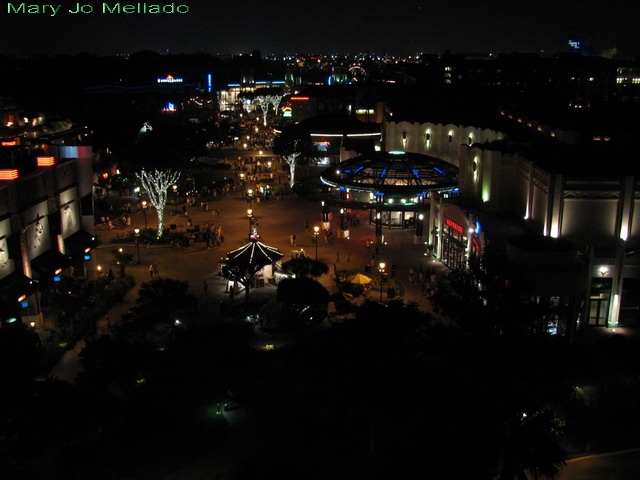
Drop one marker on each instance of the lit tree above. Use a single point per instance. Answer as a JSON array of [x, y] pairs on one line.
[[263, 102], [275, 101], [292, 142], [157, 183], [247, 104]]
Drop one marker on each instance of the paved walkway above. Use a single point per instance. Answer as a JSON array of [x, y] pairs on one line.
[[277, 220]]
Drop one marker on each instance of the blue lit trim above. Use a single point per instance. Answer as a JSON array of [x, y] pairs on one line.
[[343, 189], [384, 172], [415, 172], [379, 194], [438, 170], [420, 194], [347, 171], [397, 152], [233, 85], [261, 82], [358, 169], [478, 228], [278, 82], [455, 190]]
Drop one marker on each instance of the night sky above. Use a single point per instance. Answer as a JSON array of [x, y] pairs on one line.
[[342, 26]]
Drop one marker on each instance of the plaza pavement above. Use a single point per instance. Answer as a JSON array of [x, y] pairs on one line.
[[277, 220]]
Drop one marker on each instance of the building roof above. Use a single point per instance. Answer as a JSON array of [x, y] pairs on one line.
[[394, 173], [338, 125]]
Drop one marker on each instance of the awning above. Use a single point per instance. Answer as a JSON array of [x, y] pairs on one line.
[[77, 243], [15, 286], [45, 266]]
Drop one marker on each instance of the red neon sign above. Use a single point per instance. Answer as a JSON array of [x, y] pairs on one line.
[[12, 143], [302, 99], [9, 174], [46, 161], [476, 244], [454, 225]]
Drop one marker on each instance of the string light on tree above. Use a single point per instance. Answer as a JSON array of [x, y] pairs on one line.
[[157, 183]]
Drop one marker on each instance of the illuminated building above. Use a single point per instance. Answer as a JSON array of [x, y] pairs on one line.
[[46, 216]]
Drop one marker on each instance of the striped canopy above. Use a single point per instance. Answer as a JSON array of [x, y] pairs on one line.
[[254, 253]]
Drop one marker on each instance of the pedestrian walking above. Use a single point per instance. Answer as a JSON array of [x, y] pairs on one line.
[[151, 271], [292, 240], [156, 274]]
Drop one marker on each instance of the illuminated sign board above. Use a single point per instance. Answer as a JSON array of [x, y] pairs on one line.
[[170, 107], [454, 225], [300, 99], [46, 161], [11, 143], [9, 174], [169, 79]]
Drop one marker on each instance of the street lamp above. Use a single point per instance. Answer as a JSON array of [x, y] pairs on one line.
[[381, 266], [250, 195], [250, 217], [175, 193], [316, 231], [137, 232], [144, 211]]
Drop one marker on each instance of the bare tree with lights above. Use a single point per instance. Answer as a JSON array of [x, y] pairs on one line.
[[156, 183], [275, 101], [247, 104], [292, 142], [264, 101]]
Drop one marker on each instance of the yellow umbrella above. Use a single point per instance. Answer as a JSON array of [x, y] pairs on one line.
[[359, 279]]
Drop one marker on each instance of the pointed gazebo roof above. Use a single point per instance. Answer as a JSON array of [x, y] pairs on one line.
[[255, 253]]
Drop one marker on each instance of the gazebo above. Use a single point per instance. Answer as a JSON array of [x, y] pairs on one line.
[[242, 264]]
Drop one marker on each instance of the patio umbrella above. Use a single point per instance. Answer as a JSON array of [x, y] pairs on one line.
[[359, 279]]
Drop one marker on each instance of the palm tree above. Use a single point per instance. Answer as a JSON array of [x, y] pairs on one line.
[[533, 447]]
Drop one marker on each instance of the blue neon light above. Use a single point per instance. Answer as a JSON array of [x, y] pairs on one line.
[[56, 279], [384, 172], [420, 195], [455, 190], [209, 82], [330, 80], [379, 194], [343, 189], [438, 170], [397, 152], [87, 257], [478, 227], [347, 171], [24, 304], [358, 169], [279, 82], [233, 85], [415, 172]]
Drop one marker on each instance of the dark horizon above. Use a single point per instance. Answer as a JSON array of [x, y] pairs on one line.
[[404, 27]]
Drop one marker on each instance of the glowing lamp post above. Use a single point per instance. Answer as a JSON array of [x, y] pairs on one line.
[[316, 231], [144, 211], [250, 217], [137, 232], [381, 266], [250, 196], [175, 194]]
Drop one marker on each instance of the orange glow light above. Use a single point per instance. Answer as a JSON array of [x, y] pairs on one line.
[[12, 143], [302, 99], [46, 161], [9, 174]]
